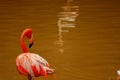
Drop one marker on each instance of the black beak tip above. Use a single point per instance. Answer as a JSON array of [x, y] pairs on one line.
[[30, 45]]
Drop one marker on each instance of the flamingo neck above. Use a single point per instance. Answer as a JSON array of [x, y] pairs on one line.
[[22, 43]]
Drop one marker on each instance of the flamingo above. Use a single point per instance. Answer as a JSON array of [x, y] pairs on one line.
[[118, 72], [30, 64]]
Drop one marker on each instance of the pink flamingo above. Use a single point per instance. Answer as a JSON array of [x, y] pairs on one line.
[[118, 72], [30, 64]]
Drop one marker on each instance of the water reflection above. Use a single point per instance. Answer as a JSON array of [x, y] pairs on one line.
[[66, 19], [68, 16]]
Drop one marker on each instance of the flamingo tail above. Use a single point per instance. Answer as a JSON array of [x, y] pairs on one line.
[[50, 71]]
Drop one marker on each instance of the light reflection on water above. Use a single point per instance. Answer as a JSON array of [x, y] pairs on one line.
[[66, 19]]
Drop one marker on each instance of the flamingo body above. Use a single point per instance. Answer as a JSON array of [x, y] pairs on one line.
[[31, 64]]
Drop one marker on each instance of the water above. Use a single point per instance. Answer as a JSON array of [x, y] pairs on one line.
[[87, 51]]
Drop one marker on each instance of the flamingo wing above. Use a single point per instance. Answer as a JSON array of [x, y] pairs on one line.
[[40, 60]]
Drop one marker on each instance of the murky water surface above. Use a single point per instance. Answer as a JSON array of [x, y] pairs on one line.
[[79, 38]]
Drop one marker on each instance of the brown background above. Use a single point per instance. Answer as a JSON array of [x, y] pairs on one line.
[[91, 49]]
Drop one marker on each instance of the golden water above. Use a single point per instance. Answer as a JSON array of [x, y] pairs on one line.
[[88, 51]]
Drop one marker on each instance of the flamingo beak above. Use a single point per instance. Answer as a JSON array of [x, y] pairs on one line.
[[30, 45]]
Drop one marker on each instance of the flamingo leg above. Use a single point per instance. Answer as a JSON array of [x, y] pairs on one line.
[[33, 78], [29, 77], [46, 77]]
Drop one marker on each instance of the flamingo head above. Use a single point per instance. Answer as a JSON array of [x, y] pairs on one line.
[[29, 34]]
